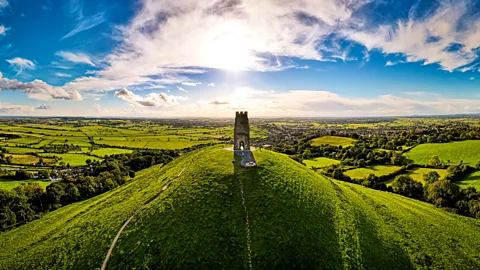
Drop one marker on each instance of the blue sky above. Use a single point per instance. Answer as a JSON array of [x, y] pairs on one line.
[[159, 58]]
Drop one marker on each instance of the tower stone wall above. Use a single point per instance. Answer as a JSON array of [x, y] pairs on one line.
[[241, 132]]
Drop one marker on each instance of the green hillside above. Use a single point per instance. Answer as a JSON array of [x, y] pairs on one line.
[[297, 219]]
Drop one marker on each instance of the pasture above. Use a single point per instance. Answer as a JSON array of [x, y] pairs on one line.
[[110, 151], [417, 173], [9, 184], [333, 141], [378, 170], [471, 180], [72, 159], [319, 162], [466, 151]]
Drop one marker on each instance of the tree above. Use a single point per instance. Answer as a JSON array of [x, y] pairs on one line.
[[431, 177], [406, 186], [443, 193], [435, 162]]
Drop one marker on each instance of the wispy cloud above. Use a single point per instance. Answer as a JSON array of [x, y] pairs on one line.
[[7, 108], [59, 74], [191, 83], [181, 89], [150, 100], [3, 4], [471, 78], [20, 64], [75, 57], [211, 84], [435, 38], [393, 63], [3, 30], [43, 107], [86, 24]]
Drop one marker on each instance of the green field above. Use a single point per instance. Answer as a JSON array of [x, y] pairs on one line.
[[29, 159], [320, 162], [298, 219], [11, 184], [333, 140], [466, 151], [72, 159], [110, 151], [377, 170], [472, 180], [21, 150], [417, 173]]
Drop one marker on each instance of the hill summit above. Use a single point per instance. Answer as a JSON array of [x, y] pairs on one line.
[[215, 214]]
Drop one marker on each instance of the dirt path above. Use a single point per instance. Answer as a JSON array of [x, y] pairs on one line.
[[104, 265], [247, 225]]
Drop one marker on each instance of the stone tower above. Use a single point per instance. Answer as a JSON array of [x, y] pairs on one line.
[[241, 135]]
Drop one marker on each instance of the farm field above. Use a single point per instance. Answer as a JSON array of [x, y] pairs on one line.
[[333, 140], [466, 151], [72, 159], [417, 173], [378, 170], [333, 215], [110, 151], [319, 162], [471, 180], [29, 159], [11, 184]]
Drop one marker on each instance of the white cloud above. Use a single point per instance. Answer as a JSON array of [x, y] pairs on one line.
[[43, 107], [415, 93], [311, 103], [86, 24], [191, 83], [75, 57], [38, 89], [11, 109], [3, 4], [428, 39], [3, 30], [150, 100], [217, 102], [471, 78], [181, 89], [211, 84], [59, 74], [20, 64]]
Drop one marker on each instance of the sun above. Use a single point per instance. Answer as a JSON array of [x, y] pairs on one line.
[[230, 48]]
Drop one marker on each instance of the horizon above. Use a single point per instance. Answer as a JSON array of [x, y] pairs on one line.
[[182, 59]]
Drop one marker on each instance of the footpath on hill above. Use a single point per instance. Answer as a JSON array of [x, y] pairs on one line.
[[238, 172], [109, 253]]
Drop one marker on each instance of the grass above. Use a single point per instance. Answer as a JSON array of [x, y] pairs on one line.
[[466, 151], [72, 159], [110, 151], [29, 159], [417, 173], [471, 180], [11, 184], [298, 219], [21, 150], [377, 170], [320, 162], [333, 140]]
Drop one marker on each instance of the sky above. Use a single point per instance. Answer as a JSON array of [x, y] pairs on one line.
[[209, 58]]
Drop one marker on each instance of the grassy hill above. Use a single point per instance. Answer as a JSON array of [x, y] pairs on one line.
[[297, 219]]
